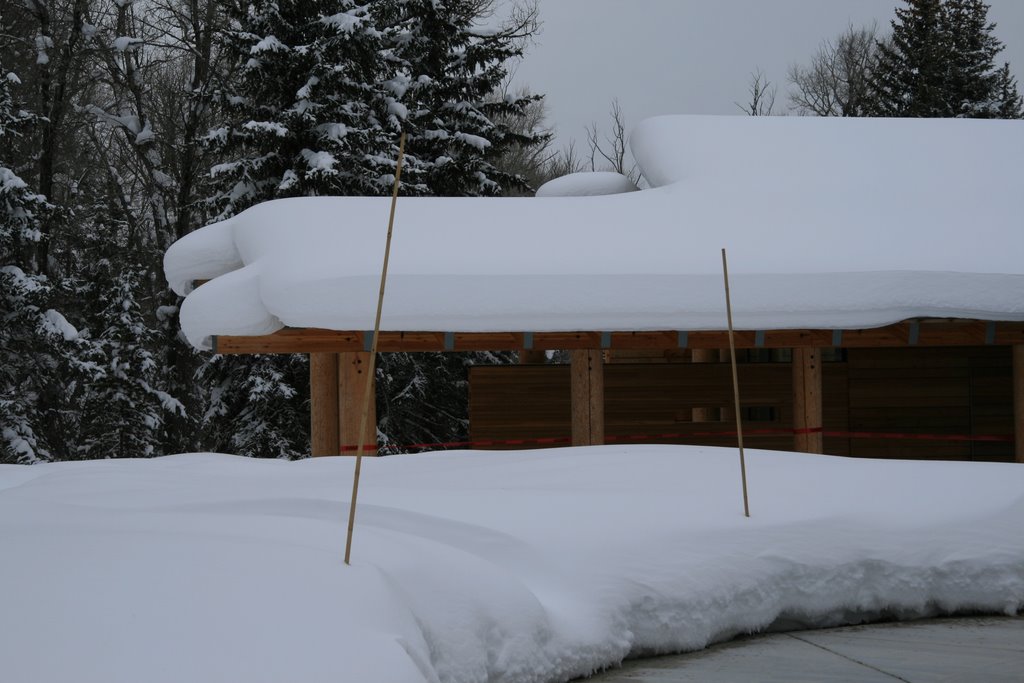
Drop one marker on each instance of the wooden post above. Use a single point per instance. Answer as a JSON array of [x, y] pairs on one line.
[[353, 374], [587, 371], [1018, 399], [705, 414], [807, 412], [532, 356], [323, 403]]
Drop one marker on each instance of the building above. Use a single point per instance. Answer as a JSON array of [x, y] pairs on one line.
[[849, 234]]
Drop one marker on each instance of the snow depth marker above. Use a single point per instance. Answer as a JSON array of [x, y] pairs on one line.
[[735, 386], [371, 370]]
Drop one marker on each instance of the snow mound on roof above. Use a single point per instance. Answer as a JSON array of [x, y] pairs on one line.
[[530, 566], [829, 223], [587, 185]]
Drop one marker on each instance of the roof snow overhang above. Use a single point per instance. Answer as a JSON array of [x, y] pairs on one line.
[[871, 229]]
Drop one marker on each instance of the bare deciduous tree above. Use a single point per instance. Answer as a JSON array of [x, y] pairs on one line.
[[836, 82], [564, 162], [613, 148], [762, 96]]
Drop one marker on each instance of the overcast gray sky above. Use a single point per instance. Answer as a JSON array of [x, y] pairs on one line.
[[693, 56]]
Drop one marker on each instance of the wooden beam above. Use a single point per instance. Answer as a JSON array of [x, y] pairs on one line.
[[353, 375], [587, 387], [323, 403], [1018, 399], [908, 333], [807, 400]]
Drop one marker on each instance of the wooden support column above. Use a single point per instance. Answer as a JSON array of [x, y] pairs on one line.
[[705, 414], [323, 403], [587, 372], [807, 412], [532, 356], [1018, 399], [353, 375]]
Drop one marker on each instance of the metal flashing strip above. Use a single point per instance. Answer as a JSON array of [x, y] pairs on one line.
[[990, 332], [759, 339], [837, 338], [368, 341], [449, 341], [606, 340], [683, 339], [915, 333], [528, 341]]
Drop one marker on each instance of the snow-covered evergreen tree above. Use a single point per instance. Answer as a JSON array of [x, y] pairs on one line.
[[941, 63], [123, 408], [34, 338], [440, 78], [323, 91], [255, 408], [325, 88]]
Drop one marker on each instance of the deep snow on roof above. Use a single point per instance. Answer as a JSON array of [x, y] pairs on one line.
[[829, 223]]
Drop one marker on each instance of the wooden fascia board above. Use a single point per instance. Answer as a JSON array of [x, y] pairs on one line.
[[907, 333]]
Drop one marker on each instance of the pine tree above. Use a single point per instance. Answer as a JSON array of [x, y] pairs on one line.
[[444, 75], [123, 408], [1008, 102], [322, 95], [255, 407], [323, 90], [35, 340], [941, 63]]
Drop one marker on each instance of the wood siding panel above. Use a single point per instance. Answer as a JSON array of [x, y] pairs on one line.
[[956, 391], [645, 401]]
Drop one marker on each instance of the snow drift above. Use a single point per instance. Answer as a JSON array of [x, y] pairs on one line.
[[531, 566]]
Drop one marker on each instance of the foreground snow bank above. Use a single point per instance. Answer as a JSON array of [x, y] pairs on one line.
[[531, 566]]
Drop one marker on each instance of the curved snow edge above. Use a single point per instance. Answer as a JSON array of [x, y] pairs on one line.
[[201, 255]]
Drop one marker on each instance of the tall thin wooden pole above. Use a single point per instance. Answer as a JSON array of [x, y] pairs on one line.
[[368, 394], [735, 386]]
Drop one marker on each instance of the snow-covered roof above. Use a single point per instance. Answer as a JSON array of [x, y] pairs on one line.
[[829, 224], [587, 184]]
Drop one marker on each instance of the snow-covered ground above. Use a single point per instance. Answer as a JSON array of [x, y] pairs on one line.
[[476, 566]]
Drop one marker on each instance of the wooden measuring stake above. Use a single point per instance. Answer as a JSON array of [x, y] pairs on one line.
[[735, 386], [371, 370]]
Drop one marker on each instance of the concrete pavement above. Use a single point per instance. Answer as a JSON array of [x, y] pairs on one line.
[[968, 650]]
